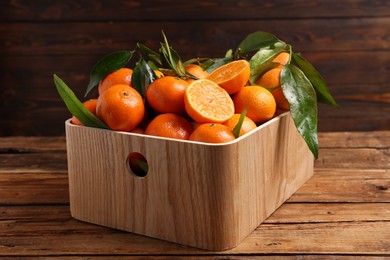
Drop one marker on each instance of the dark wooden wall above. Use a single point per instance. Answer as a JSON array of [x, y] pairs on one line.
[[347, 41]]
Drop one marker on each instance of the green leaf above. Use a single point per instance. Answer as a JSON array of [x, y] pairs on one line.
[[261, 61], [149, 55], [267, 53], [204, 63], [106, 65], [152, 65], [180, 68], [229, 53], [237, 128], [257, 40], [301, 95], [170, 58], [143, 165], [75, 106], [142, 76], [323, 94], [216, 63]]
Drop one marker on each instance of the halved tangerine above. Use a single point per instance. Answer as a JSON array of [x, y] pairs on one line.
[[206, 102], [232, 76]]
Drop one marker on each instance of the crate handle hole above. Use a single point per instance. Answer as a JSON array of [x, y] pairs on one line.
[[137, 164]]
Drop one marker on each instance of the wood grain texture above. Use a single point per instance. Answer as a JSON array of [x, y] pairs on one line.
[[274, 236], [346, 41], [354, 185], [191, 38], [207, 196], [341, 212], [120, 10]]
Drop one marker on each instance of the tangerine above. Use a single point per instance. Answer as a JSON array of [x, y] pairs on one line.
[[206, 102], [91, 106], [212, 133], [196, 70], [121, 76], [271, 79], [260, 102], [170, 125], [232, 76], [282, 58], [138, 130], [247, 125], [166, 95], [121, 107]]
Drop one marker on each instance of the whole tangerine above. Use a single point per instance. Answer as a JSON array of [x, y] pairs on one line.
[[247, 125], [90, 105], [121, 107], [196, 71], [170, 125], [260, 102], [282, 58], [166, 95], [271, 80], [212, 133], [121, 76]]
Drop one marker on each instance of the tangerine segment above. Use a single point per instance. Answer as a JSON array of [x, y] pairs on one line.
[[206, 102], [232, 76]]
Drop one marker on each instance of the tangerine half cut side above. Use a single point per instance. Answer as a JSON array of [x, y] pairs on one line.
[[206, 102], [232, 76]]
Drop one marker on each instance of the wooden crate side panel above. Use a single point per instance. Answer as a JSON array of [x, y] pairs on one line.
[[185, 201], [277, 163], [205, 196]]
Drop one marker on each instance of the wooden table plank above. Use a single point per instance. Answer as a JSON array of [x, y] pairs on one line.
[[288, 213], [290, 225], [32, 143], [363, 158], [33, 188], [330, 213], [67, 236], [42, 162], [345, 185], [364, 238], [343, 210], [325, 238], [373, 139]]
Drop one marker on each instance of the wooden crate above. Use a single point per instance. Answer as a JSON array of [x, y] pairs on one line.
[[209, 196]]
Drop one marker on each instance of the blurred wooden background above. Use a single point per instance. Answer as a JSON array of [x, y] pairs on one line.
[[347, 41]]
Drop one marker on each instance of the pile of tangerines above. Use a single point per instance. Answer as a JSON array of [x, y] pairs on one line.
[[204, 107]]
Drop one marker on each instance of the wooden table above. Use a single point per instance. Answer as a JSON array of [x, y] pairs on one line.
[[344, 210]]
